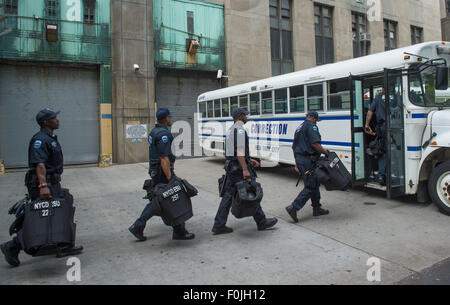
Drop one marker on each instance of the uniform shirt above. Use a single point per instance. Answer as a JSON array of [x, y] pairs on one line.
[[160, 145], [379, 108], [306, 135], [237, 139], [45, 148]]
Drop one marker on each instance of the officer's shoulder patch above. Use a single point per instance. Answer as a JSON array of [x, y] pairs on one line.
[[150, 139], [37, 144], [241, 131], [165, 139], [315, 128]]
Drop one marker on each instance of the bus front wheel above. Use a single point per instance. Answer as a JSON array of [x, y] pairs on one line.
[[439, 187]]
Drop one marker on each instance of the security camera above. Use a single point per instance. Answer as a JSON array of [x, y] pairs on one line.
[[219, 74], [136, 68]]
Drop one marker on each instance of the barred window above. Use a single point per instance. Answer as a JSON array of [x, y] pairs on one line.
[[11, 7], [89, 11], [52, 7]]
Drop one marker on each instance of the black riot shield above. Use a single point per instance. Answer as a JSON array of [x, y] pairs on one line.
[[48, 224], [247, 198], [173, 201]]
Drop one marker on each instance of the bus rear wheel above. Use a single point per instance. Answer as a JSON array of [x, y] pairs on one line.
[[439, 187]]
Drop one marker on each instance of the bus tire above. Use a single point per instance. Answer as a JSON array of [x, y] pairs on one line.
[[439, 187]]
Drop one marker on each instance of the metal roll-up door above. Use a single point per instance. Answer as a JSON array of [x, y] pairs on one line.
[[179, 90], [25, 89]]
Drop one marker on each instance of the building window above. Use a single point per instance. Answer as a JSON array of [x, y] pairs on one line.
[[416, 35], [89, 11], [281, 37], [11, 7], [323, 22], [361, 42], [190, 22], [390, 35], [51, 7]]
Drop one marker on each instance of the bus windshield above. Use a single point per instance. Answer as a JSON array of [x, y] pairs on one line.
[[422, 90]]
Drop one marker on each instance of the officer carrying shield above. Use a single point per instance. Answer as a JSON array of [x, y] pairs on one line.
[[307, 149], [378, 107], [161, 171], [239, 166], [45, 159]]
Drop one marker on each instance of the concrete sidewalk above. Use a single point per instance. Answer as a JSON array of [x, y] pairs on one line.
[[407, 237]]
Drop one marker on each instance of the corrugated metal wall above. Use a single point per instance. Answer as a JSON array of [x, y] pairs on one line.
[[178, 90], [24, 90]]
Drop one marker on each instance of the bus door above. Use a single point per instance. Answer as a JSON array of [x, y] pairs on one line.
[[395, 164], [357, 131]]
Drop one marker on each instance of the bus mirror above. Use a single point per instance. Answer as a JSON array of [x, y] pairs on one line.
[[441, 78]]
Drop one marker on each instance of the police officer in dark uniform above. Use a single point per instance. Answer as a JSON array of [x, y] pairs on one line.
[[239, 166], [161, 171], [378, 108], [307, 149], [45, 159]]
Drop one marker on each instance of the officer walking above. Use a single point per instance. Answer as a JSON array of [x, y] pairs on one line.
[[161, 171], [45, 160], [307, 149], [239, 167], [379, 108]]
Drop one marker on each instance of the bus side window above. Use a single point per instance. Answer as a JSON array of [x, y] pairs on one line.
[[225, 107], [255, 106], [210, 109], [202, 109], [266, 102], [339, 95], [297, 99], [234, 103], [217, 108], [243, 102], [315, 97], [281, 101]]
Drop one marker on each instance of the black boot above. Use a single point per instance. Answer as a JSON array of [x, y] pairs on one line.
[[11, 253], [269, 223], [184, 235], [320, 212], [222, 230], [138, 232], [69, 251], [292, 212]]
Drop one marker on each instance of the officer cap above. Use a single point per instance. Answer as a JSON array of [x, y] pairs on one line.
[[162, 113], [238, 112], [313, 114], [46, 114]]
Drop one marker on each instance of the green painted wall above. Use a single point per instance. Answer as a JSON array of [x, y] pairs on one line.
[[171, 32], [77, 41]]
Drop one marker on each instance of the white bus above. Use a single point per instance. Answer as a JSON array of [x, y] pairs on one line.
[[418, 117]]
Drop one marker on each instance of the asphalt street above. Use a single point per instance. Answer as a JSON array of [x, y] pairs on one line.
[[409, 239]]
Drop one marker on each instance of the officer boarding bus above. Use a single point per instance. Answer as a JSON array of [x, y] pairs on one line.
[[417, 99]]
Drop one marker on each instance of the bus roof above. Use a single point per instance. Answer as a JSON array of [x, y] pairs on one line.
[[358, 66]]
